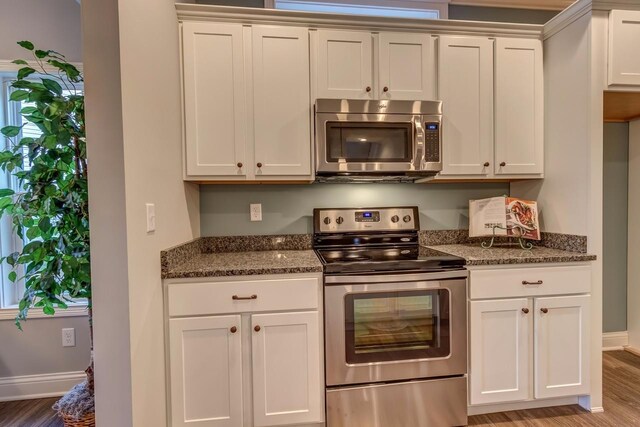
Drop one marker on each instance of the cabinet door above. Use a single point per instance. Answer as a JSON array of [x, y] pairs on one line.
[[624, 38], [561, 346], [406, 66], [281, 105], [287, 370], [500, 352], [519, 107], [344, 65], [214, 105], [465, 86], [206, 371]]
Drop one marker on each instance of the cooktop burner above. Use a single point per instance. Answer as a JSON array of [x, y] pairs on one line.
[[354, 241]]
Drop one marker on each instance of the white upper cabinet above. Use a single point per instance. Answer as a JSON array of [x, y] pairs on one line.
[[344, 65], [500, 357], [281, 104], [562, 346], [214, 107], [206, 372], [624, 39], [465, 86], [519, 121], [406, 66], [287, 384]]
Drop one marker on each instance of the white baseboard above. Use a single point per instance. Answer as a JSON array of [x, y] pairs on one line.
[[615, 340], [38, 386], [525, 404]]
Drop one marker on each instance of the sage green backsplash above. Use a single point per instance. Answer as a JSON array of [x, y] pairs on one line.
[[288, 209]]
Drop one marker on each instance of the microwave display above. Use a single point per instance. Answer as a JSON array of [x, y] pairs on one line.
[[368, 142]]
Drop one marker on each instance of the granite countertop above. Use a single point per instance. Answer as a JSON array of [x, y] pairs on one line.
[[476, 255], [246, 264]]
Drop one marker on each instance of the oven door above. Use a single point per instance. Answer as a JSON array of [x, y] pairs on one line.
[[395, 327], [369, 143]]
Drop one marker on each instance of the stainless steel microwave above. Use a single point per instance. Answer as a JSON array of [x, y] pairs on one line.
[[381, 140]]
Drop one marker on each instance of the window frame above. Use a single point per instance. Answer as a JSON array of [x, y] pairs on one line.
[[11, 293], [441, 6]]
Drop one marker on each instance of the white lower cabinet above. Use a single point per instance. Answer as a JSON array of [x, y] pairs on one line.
[[246, 368], [206, 371], [528, 346], [286, 373]]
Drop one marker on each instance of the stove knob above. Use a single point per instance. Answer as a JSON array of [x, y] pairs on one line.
[[407, 218], [327, 220], [395, 218], [339, 220]]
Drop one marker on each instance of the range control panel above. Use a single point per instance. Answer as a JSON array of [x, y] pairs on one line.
[[346, 220]]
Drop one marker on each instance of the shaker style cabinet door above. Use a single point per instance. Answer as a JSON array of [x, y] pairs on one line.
[[287, 369], [624, 39], [519, 107], [561, 346], [465, 86], [206, 371], [500, 350], [214, 104], [281, 104], [406, 66], [344, 69]]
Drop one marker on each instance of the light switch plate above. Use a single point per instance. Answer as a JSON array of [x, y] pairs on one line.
[[255, 209], [151, 217]]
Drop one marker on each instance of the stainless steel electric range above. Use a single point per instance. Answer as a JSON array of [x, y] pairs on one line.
[[395, 322]]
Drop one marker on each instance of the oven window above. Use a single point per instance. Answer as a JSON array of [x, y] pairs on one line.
[[369, 142], [399, 325]]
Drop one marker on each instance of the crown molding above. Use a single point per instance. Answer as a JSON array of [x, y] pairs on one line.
[[193, 12]]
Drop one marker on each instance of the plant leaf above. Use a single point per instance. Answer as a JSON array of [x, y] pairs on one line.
[[25, 72], [18, 95], [41, 53], [6, 192], [26, 44], [10, 131], [53, 86], [13, 276], [20, 62], [48, 310]]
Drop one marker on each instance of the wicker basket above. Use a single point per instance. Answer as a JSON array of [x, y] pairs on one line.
[[88, 420]]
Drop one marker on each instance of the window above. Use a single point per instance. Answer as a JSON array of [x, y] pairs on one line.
[[415, 9], [11, 293]]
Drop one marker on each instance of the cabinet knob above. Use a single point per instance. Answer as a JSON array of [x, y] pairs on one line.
[[544, 310], [525, 310], [257, 328], [503, 164], [368, 89], [385, 89], [486, 164], [259, 164], [233, 329], [239, 164]]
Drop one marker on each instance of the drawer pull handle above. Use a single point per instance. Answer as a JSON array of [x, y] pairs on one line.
[[257, 328], [525, 310], [544, 310], [236, 297], [233, 329], [539, 282]]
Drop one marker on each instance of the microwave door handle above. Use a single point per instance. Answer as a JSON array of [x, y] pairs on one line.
[[418, 155]]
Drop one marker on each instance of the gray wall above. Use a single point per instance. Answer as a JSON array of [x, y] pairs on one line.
[[287, 209], [51, 24], [616, 162]]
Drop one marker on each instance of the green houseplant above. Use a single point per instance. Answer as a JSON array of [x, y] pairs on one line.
[[48, 206]]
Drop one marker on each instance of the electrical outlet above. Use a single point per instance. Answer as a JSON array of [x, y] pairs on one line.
[[151, 217], [255, 209], [68, 337]]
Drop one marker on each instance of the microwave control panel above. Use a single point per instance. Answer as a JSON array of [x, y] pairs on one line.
[[432, 142]]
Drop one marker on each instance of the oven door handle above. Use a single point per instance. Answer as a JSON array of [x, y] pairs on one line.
[[418, 142], [395, 278]]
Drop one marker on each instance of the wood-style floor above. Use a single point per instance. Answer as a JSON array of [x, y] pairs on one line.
[[621, 402]]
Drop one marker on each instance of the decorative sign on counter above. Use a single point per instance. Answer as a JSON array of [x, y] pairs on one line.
[[504, 216]]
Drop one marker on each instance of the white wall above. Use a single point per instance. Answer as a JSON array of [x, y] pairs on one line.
[[135, 113], [50, 24], [633, 271]]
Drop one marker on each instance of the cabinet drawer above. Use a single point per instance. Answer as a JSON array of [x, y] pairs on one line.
[[192, 299], [510, 282]]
